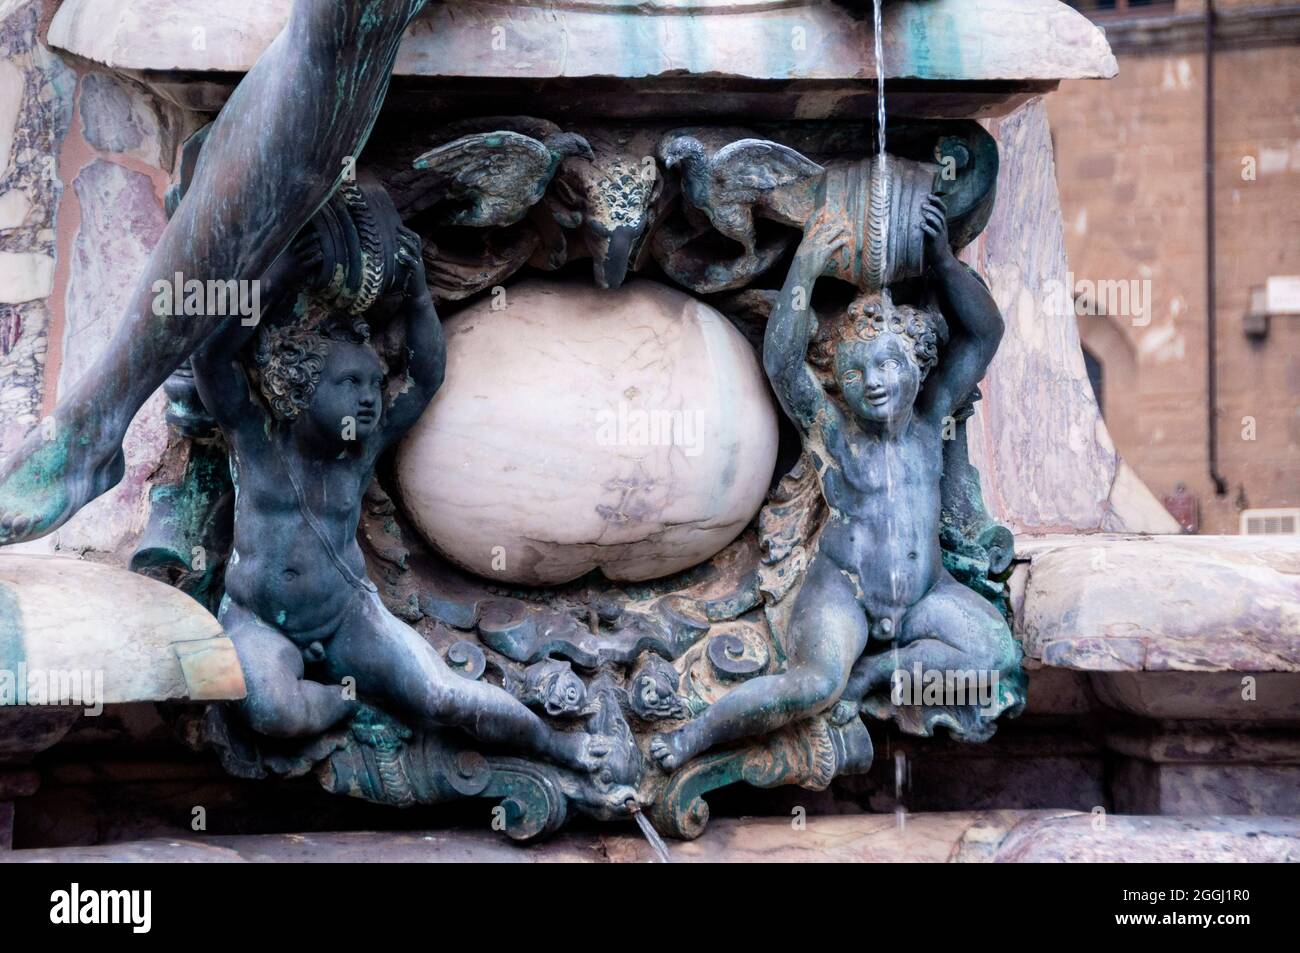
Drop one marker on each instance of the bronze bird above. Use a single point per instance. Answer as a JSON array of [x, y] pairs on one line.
[[492, 179], [740, 179]]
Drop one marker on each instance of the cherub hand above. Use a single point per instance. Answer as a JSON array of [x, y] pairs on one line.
[[826, 236], [934, 222], [299, 266], [410, 258]]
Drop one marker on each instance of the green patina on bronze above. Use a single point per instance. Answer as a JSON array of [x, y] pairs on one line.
[[188, 538], [40, 477]]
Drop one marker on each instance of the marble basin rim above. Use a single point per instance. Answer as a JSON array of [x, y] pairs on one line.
[[1014, 47]]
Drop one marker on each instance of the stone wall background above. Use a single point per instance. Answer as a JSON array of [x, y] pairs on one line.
[[1132, 184], [89, 156], [36, 101]]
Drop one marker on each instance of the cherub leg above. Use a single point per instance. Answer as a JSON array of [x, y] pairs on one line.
[[280, 702], [828, 631], [390, 660], [274, 156], [952, 629]]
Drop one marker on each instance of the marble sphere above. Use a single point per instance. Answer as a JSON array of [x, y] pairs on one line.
[[629, 430]]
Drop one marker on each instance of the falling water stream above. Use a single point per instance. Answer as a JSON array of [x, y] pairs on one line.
[[880, 185], [880, 224], [881, 202], [900, 777], [651, 835]]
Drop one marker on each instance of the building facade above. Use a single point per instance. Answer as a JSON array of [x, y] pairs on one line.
[[1180, 186]]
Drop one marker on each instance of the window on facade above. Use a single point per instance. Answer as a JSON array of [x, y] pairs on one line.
[[1102, 8]]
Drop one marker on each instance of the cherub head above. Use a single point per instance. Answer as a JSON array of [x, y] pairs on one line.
[[882, 356], [327, 378]]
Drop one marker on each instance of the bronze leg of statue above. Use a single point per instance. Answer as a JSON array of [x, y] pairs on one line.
[[390, 660], [274, 156], [828, 631]]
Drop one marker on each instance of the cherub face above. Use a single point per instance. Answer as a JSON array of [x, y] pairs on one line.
[[879, 379], [350, 394]]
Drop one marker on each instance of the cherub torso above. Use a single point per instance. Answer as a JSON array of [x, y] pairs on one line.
[[281, 570], [883, 529]]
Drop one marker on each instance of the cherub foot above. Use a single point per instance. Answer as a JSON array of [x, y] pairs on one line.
[[47, 481], [673, 749]]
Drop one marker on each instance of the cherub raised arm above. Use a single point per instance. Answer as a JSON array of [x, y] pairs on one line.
[[792, 324], [975, 326], [876, 573], [307, 416]]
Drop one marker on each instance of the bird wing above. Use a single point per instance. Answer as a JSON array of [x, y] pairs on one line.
[[762, 173], [497, 176]]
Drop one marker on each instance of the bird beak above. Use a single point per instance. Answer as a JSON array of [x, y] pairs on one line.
[[612, 251]]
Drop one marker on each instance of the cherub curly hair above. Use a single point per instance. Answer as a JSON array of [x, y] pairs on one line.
[[288, 361], [921, 328]]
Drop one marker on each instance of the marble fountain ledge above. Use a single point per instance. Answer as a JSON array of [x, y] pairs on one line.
[[1022, 41], [1195, 637], [1112, 603], [151, 642]]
